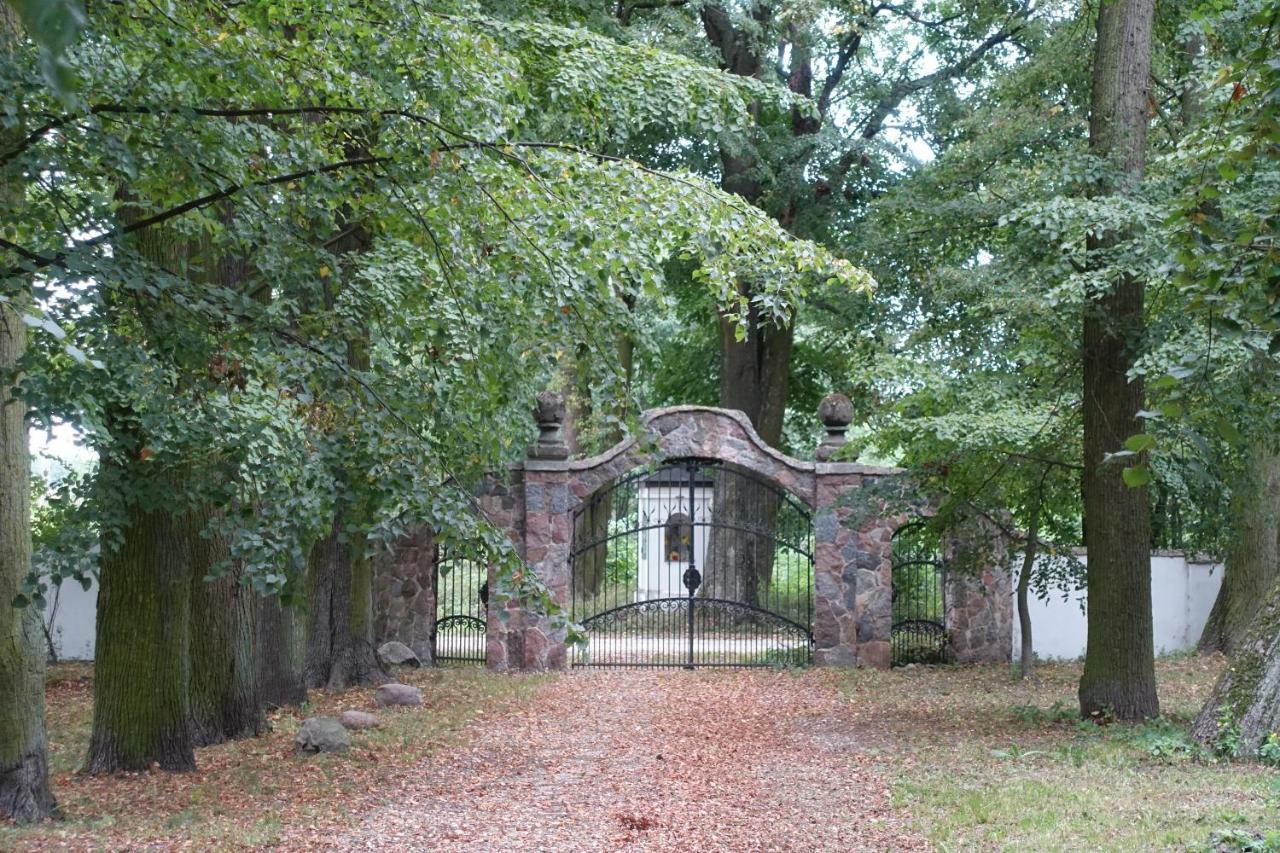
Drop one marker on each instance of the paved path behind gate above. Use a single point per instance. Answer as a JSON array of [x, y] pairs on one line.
[[644, 760]]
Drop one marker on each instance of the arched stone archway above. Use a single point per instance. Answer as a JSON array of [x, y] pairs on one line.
[[852, 531]]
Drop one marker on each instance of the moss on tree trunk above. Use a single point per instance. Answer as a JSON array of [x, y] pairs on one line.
[[142, 671], [24, 784], [224, 682], [24, 778], [340, 650], [1244, 708], [1253, 560]]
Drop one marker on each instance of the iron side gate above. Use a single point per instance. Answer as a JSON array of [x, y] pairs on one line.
[[919, 633], [462, 596], [695, 563]]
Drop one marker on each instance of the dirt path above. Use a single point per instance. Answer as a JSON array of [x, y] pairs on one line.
[[758, 760]]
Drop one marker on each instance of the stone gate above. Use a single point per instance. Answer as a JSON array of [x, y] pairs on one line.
[[853, 525]]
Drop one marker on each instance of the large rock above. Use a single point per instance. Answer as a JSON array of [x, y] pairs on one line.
[[322, 734], [398, 694], [395, 653], [358, 720]]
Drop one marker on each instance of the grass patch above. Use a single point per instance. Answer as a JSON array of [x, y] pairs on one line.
[[984, 760], [250, 793]]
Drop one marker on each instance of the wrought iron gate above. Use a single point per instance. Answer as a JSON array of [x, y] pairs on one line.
[[462, 595], [919, 632], [695, 563]]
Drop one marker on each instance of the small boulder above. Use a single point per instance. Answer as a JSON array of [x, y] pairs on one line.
[[398, 694], [358, 720], [396, 653], [322, 734]]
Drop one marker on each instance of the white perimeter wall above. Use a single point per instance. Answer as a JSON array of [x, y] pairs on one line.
[[1182, 592], [75, 621]]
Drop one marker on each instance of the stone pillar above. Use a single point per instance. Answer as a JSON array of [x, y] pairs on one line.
[[853, 575], [853, 569], [502, 501], [405, 595], [835, 570], [979, 602], [548, 535]]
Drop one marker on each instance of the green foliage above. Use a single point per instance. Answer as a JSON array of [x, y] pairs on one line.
[[53, 25], [266, 138]]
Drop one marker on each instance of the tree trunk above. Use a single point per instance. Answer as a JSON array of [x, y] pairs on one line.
[[225, 704], [24, 777], [1027, 655], [1244, 709], [1119, 669], [142, 670], [340, 650], [282, 650], [1253, 558]]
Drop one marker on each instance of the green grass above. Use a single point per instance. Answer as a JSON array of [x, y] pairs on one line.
[[984, 761]]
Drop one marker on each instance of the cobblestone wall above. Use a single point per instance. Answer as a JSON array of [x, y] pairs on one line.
[[404, 592]]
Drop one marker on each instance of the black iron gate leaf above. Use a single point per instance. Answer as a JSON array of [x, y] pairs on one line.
[[461, 601], [919, 633], [693, 563]]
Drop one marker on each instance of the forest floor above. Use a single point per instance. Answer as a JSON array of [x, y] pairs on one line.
[[949, 758]]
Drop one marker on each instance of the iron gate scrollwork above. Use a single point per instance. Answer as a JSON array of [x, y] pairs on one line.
[[693, 563], [919, 633], [462, 597]]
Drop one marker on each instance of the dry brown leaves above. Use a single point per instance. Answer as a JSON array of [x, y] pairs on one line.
[[648, 761]]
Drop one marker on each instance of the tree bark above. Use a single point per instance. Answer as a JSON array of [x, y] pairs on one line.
[[1244, 709], [225, 703], [142, 670], [1119, 670], [282, 650], [24, 777], [1253, 559], [340, 649], [1027, 654]]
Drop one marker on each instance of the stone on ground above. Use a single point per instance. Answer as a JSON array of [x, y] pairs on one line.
[[396, 653], [352, 719], [398, 694], [322, 734]]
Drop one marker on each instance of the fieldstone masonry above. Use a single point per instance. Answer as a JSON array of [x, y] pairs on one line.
[[404, 593], [851, 561], [853, 532], [979, 615]]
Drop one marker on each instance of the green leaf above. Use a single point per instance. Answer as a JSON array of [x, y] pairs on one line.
[[1140, 442], [53, 25], [1138, 475], [1229, 432]]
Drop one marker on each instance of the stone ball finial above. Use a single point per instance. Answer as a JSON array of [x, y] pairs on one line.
[[835, 410], [549, 408]]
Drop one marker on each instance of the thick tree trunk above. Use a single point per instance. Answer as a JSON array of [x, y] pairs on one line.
[[1244, 708], [1253, 559], [1119, 670], [225, 704], [24, 777], [142, 670], [282, 650], [340, 650]]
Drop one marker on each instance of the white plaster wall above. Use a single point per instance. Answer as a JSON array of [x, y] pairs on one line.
[[75, 621], [658, 577], [1182, 593]]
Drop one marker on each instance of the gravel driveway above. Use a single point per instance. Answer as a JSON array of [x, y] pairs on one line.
[[645, 760]]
